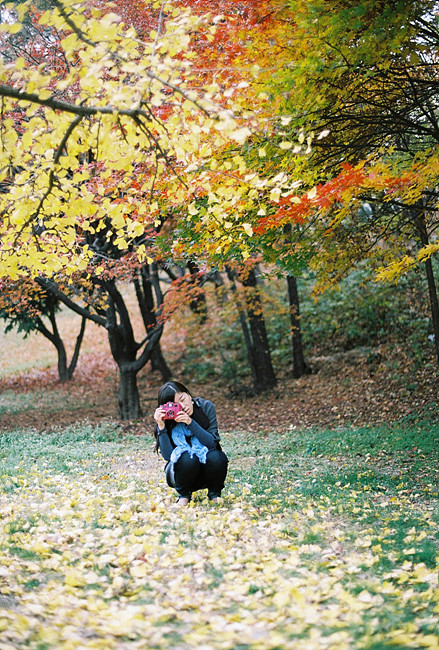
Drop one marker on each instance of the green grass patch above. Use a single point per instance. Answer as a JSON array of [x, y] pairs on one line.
[[67, 450], [46, 400], [319, 542]]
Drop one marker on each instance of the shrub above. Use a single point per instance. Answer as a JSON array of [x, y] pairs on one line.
[[362, 312]]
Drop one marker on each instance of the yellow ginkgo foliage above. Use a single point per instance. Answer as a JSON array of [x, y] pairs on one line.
[[108, 134]]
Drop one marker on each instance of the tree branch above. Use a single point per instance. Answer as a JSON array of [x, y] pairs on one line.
[[152, 338], [71, 23], [52, 287]]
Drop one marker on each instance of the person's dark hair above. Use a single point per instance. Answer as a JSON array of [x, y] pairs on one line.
[[168, 390], [167, 394]]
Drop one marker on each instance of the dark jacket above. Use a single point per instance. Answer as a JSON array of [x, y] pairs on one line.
[[208, 437]]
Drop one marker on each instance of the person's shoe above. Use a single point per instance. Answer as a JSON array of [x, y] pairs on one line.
[[183, 501]]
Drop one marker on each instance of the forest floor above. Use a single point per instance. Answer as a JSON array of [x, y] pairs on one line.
[[359, 387], [325, 538]]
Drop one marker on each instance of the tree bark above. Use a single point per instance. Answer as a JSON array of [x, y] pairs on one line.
[[245, 330], [125, 349], [65, 372], [265, 376], [434, 304], [145, 300], [300, 366], [198, 305], [432, 290], [74, 361], [128, 394]]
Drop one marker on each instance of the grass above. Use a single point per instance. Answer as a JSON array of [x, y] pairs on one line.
[[324, 539], [12, 402]]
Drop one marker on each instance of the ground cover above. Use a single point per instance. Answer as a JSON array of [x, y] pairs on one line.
[[327, 536], [323, 540]]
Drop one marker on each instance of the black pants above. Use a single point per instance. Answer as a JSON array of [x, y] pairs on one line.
[[188, 475]]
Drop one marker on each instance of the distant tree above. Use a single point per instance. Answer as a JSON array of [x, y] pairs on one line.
[[300, 365], [26, 307], [251, 316]]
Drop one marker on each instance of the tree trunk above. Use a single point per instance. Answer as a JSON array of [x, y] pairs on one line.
[[124, 348], [159, 364], [63, 372], [128, 395], [300, 366], [57, 341], [434, 304], [432, 291], [198, 305], [265, 376], [145, 300], [245, 329], [74, 361]]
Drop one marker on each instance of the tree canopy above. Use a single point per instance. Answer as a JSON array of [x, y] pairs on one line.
[[361, 81], [111, 140]]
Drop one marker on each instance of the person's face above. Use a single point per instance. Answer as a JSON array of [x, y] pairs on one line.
[[186, 402]]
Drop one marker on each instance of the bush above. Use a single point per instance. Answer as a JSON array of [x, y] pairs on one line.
[[362, 312]]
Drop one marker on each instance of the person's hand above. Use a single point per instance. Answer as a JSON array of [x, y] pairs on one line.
[[159, 414], [183, 416]]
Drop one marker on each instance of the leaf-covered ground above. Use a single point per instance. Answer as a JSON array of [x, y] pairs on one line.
[[323, 540], [356, 388], [327, 535], [365, 385]]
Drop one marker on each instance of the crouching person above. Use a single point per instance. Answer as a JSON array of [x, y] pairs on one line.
[[187, 435]]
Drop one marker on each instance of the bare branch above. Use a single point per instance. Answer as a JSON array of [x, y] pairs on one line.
[[71, 23], [53, 288]]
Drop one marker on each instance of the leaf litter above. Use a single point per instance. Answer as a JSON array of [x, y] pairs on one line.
[[94, 554]]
